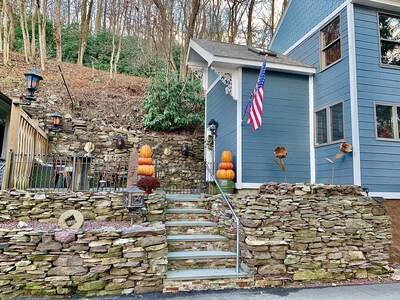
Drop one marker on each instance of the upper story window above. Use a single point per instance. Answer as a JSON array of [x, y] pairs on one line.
[[389, 32], [331, 50], [386, 116], [329, 124]]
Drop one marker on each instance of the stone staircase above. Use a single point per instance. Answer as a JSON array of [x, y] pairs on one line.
[[198, 257]]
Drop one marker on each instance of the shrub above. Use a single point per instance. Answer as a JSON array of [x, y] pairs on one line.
[[147, 183], [172, 104]]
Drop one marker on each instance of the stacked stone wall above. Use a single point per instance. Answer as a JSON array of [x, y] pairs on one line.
[[99, 262], [48, 207], [308, 233]]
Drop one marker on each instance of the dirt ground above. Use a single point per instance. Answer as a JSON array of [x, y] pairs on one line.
[[393, 209]]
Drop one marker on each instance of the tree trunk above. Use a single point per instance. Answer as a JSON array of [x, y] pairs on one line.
[[68, 13], [42, 31], [99, 15], [25, 31], [6, 33], [165, 29], [272, 17], [249, 38], [57, 31], [11, 15], [85, 25]]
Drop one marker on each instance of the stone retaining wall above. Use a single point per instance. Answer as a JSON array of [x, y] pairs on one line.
[[93, 263], [308, 233], [47, 207]]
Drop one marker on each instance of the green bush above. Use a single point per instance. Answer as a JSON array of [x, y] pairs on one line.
[[172, 104]]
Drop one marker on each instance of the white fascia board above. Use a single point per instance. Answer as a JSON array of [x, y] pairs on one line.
[[201, 51], [385, 195], [385, 4], [270, 65], [237, 86], [318, 27], [279, 24]]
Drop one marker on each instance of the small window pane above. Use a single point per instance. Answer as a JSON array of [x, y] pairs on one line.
[[337, 122], [322, 132], [389, 27], [384, 122], [333, 53], [390, 53], [331, 33]]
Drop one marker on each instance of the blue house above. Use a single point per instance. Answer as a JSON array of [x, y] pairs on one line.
[[337, 79]]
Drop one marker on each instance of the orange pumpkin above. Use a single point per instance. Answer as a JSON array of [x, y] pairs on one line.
[[226, 166], [226, 174], [147, 170], [145, 161], [145, 151], [226, 156]]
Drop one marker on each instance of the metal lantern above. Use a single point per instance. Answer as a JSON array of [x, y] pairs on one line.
[[185, 149], [57, 121], [120, 143], [32, 79], [213, 125], [134, 202]]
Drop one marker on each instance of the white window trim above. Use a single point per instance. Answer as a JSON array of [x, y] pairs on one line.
[[323, 48], [395, 117], [329, 125]]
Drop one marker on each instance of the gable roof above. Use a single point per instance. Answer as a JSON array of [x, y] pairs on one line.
[[230, 56]]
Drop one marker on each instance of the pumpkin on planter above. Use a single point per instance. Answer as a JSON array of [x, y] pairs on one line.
[[226, 156], [225, 168], [225, 174], [145, 161], [146, 170], [226, 165]]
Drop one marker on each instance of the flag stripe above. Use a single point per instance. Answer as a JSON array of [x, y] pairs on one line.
[[256, 109]]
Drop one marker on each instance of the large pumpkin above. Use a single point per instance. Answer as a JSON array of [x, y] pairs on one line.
[[145, 161], [145, 151], [226, 165], [226, 156], [147, 170], [226, 174]]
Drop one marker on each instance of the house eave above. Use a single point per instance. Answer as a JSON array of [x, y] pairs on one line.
[[234, 63], [381, 4]]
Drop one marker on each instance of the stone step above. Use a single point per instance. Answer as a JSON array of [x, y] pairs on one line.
[[194, 255], [206, 279], [185, 227], [187, 214], [186, 201], [197, 274], [197, 242], [182, 197]]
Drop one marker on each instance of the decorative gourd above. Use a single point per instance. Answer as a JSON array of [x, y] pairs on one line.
[[146, 170], [226, 165], [145, 161], [225, 174], [226, 156], [145, 151]]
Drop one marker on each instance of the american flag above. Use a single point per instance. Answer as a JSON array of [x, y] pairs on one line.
[[256, 109]]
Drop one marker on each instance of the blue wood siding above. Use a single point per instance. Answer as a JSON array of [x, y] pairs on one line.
[[285, 123], [212, 76], [380, 160], [222, 108], [301, 17], [330, 86]]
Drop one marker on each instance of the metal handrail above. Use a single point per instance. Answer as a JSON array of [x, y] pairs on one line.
[[236, 218]]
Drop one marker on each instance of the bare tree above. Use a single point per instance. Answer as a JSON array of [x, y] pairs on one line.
[[85, 24], [5, 17], [56, 25], [25, 31], [99, 15], [42, 31], [249, 38]]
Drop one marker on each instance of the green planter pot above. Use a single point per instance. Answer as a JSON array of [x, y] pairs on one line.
[[227, 186]]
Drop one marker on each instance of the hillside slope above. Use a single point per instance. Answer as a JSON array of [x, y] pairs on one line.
[[95, 95]]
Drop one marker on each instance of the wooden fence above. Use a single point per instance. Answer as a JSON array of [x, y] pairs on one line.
[[25, 139]]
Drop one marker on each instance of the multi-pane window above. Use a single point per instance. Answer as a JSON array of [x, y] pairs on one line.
[[331, 50], [329, 124], [386, 118], [389, 32]]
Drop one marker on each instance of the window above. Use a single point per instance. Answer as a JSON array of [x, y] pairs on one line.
[[331, 50], [389, 32], [385, 120], [333, 116]]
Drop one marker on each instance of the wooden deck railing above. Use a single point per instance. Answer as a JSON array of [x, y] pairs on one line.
[[25, 138]]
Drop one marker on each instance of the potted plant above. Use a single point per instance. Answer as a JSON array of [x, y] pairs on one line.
[[148, 183]]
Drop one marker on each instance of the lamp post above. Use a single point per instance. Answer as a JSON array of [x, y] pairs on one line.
[[120, 143], [213, 126], [57, 121], [32, 79]]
